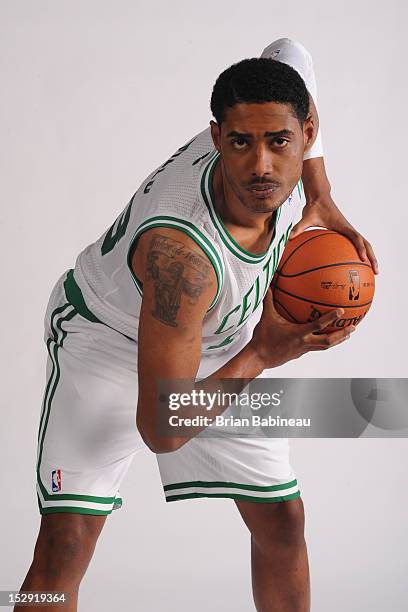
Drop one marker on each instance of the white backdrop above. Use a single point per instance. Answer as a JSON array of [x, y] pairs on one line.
[[96, 94]]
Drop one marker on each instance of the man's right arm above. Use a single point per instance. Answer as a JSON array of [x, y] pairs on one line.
[[179, 285]]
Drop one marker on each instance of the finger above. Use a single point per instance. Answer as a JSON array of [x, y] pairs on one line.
[[325, 341], [363, 247], [319, 324], [359, 243], [372, 257]]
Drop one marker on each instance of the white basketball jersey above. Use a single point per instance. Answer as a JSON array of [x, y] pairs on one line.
[[179, 195]]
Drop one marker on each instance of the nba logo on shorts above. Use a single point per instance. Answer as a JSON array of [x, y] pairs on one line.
[[56, 480]]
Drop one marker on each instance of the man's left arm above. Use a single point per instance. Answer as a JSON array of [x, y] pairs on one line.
[[320, 209]]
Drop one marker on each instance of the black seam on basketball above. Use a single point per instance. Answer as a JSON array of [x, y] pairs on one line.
[[324, 233], [286, 310], [322, 303], [344, 263]]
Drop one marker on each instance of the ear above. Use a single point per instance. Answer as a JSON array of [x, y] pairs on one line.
[[311, 126], [309, 134], [216, 135]]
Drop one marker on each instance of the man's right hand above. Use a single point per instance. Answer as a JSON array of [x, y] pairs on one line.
[[277, 340]]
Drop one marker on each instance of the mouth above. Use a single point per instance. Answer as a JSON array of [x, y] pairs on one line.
[[261, 192]]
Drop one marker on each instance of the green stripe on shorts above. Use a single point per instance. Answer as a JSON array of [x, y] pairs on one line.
[[53, 344], [234, 485], [237, 496]]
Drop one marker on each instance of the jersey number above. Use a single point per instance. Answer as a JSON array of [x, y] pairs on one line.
[[121, 224]]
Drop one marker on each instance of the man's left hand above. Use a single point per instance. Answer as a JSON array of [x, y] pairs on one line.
[[323, 212]]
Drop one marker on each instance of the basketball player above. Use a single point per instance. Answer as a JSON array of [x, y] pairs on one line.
[[179, 287]]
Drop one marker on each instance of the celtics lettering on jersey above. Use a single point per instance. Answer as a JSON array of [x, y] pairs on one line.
[[236, 317]]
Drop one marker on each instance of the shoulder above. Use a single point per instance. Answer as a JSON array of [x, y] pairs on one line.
[[171, 251]]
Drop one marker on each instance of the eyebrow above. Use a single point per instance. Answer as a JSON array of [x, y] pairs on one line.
[[266, 134]]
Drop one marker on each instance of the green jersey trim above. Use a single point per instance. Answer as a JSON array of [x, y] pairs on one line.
[[207, 192], [191, 230], [208, 197]]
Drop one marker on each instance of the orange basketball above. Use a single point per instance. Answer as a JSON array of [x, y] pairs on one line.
[[320, 270]]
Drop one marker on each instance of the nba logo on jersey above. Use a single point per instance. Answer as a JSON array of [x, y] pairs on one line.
[[56, 480], [290, 198]]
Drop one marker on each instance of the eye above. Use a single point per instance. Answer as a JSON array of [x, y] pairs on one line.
[[281, 142], [238, 143]]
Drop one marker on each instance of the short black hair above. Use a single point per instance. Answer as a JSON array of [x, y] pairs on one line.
[[257, 80]]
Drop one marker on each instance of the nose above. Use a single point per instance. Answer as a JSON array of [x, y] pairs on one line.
[[262, 161]]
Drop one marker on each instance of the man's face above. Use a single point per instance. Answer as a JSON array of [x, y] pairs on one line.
[[262, 147]]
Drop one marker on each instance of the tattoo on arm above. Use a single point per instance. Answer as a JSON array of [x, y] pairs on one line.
[[176, 270]]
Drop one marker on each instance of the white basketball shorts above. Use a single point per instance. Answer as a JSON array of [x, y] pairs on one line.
[[88, 437]]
